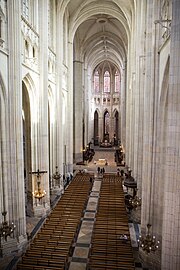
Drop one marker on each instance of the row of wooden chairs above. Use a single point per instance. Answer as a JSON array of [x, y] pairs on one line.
[[108, 250], [52, 245]]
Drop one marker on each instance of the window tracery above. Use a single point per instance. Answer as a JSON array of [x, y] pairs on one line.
[[50, 23], [106, 81], [96, 81], [117, 81]]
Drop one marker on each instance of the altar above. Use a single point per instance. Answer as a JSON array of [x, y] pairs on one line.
[[101, 162], [105, 144]]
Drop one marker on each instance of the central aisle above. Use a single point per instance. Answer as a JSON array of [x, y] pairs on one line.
[[81, 249]]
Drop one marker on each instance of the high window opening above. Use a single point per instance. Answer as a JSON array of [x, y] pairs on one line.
[[96, 127], [106, 82], [117, 82], [106, 126], [96, 81]]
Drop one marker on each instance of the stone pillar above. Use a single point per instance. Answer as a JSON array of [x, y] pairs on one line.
[[139, 93], [70, 108], [151, 195], [78, 111], [123, 106], [148, 120], [171, 214], [58, 146], [42, 118], [14, 188]]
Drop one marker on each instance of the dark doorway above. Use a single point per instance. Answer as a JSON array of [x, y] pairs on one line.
[[96, 128]]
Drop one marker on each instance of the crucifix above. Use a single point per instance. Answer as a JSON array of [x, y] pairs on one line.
[[38, 173], [38, 194]]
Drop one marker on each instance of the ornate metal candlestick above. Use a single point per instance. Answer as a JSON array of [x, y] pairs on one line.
[[5, 230], [57, 176], [149, 242], [39, 193]]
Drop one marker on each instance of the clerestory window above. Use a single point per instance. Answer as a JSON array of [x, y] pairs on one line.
[[106, 82], [96, 81], [117, 82]]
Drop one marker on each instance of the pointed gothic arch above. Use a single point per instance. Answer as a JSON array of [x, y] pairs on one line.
[[52, 136], [106, 125], [29, 118], [27, 155], [116, 126], [96, 127], [3, 145]]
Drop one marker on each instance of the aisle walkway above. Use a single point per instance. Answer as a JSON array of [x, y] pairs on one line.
[[81, 249]]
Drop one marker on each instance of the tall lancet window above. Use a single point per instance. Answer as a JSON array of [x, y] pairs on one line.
[[25, 9], [117, 82], [106, 81], [0, 27], [50, 23], [106, 122], [96, 81]]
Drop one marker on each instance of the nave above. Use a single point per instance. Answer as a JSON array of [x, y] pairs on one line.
[[83, 230]]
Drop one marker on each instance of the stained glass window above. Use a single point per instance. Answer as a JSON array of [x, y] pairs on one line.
[[96, 81], [106, 81], [117, 81], [0, 27], [107, 123]]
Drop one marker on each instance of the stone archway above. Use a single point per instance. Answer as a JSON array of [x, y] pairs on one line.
[[96, 128], [26, 118], [3, 145], [106, 126], [116, 128]]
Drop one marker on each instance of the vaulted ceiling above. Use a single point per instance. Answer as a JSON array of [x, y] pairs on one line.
[[100, 29]]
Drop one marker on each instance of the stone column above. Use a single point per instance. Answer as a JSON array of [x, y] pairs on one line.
[[14, 188], [139, 96], [151, 195], [59, 147], [171, 213], [78, 111], [42, 118], [123, 106], [70, 108]]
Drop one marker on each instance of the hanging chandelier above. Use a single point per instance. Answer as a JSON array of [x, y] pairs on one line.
[[135, 202], [149, 242], [39, 194], [5, 228], [57, 175]]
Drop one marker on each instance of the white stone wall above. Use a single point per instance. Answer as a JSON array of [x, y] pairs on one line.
[[171, 202], [149, 108]]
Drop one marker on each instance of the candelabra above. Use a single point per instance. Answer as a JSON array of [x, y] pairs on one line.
[[57, 176], [135, 202], [39, 194], [149, 242], [5, 231]]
